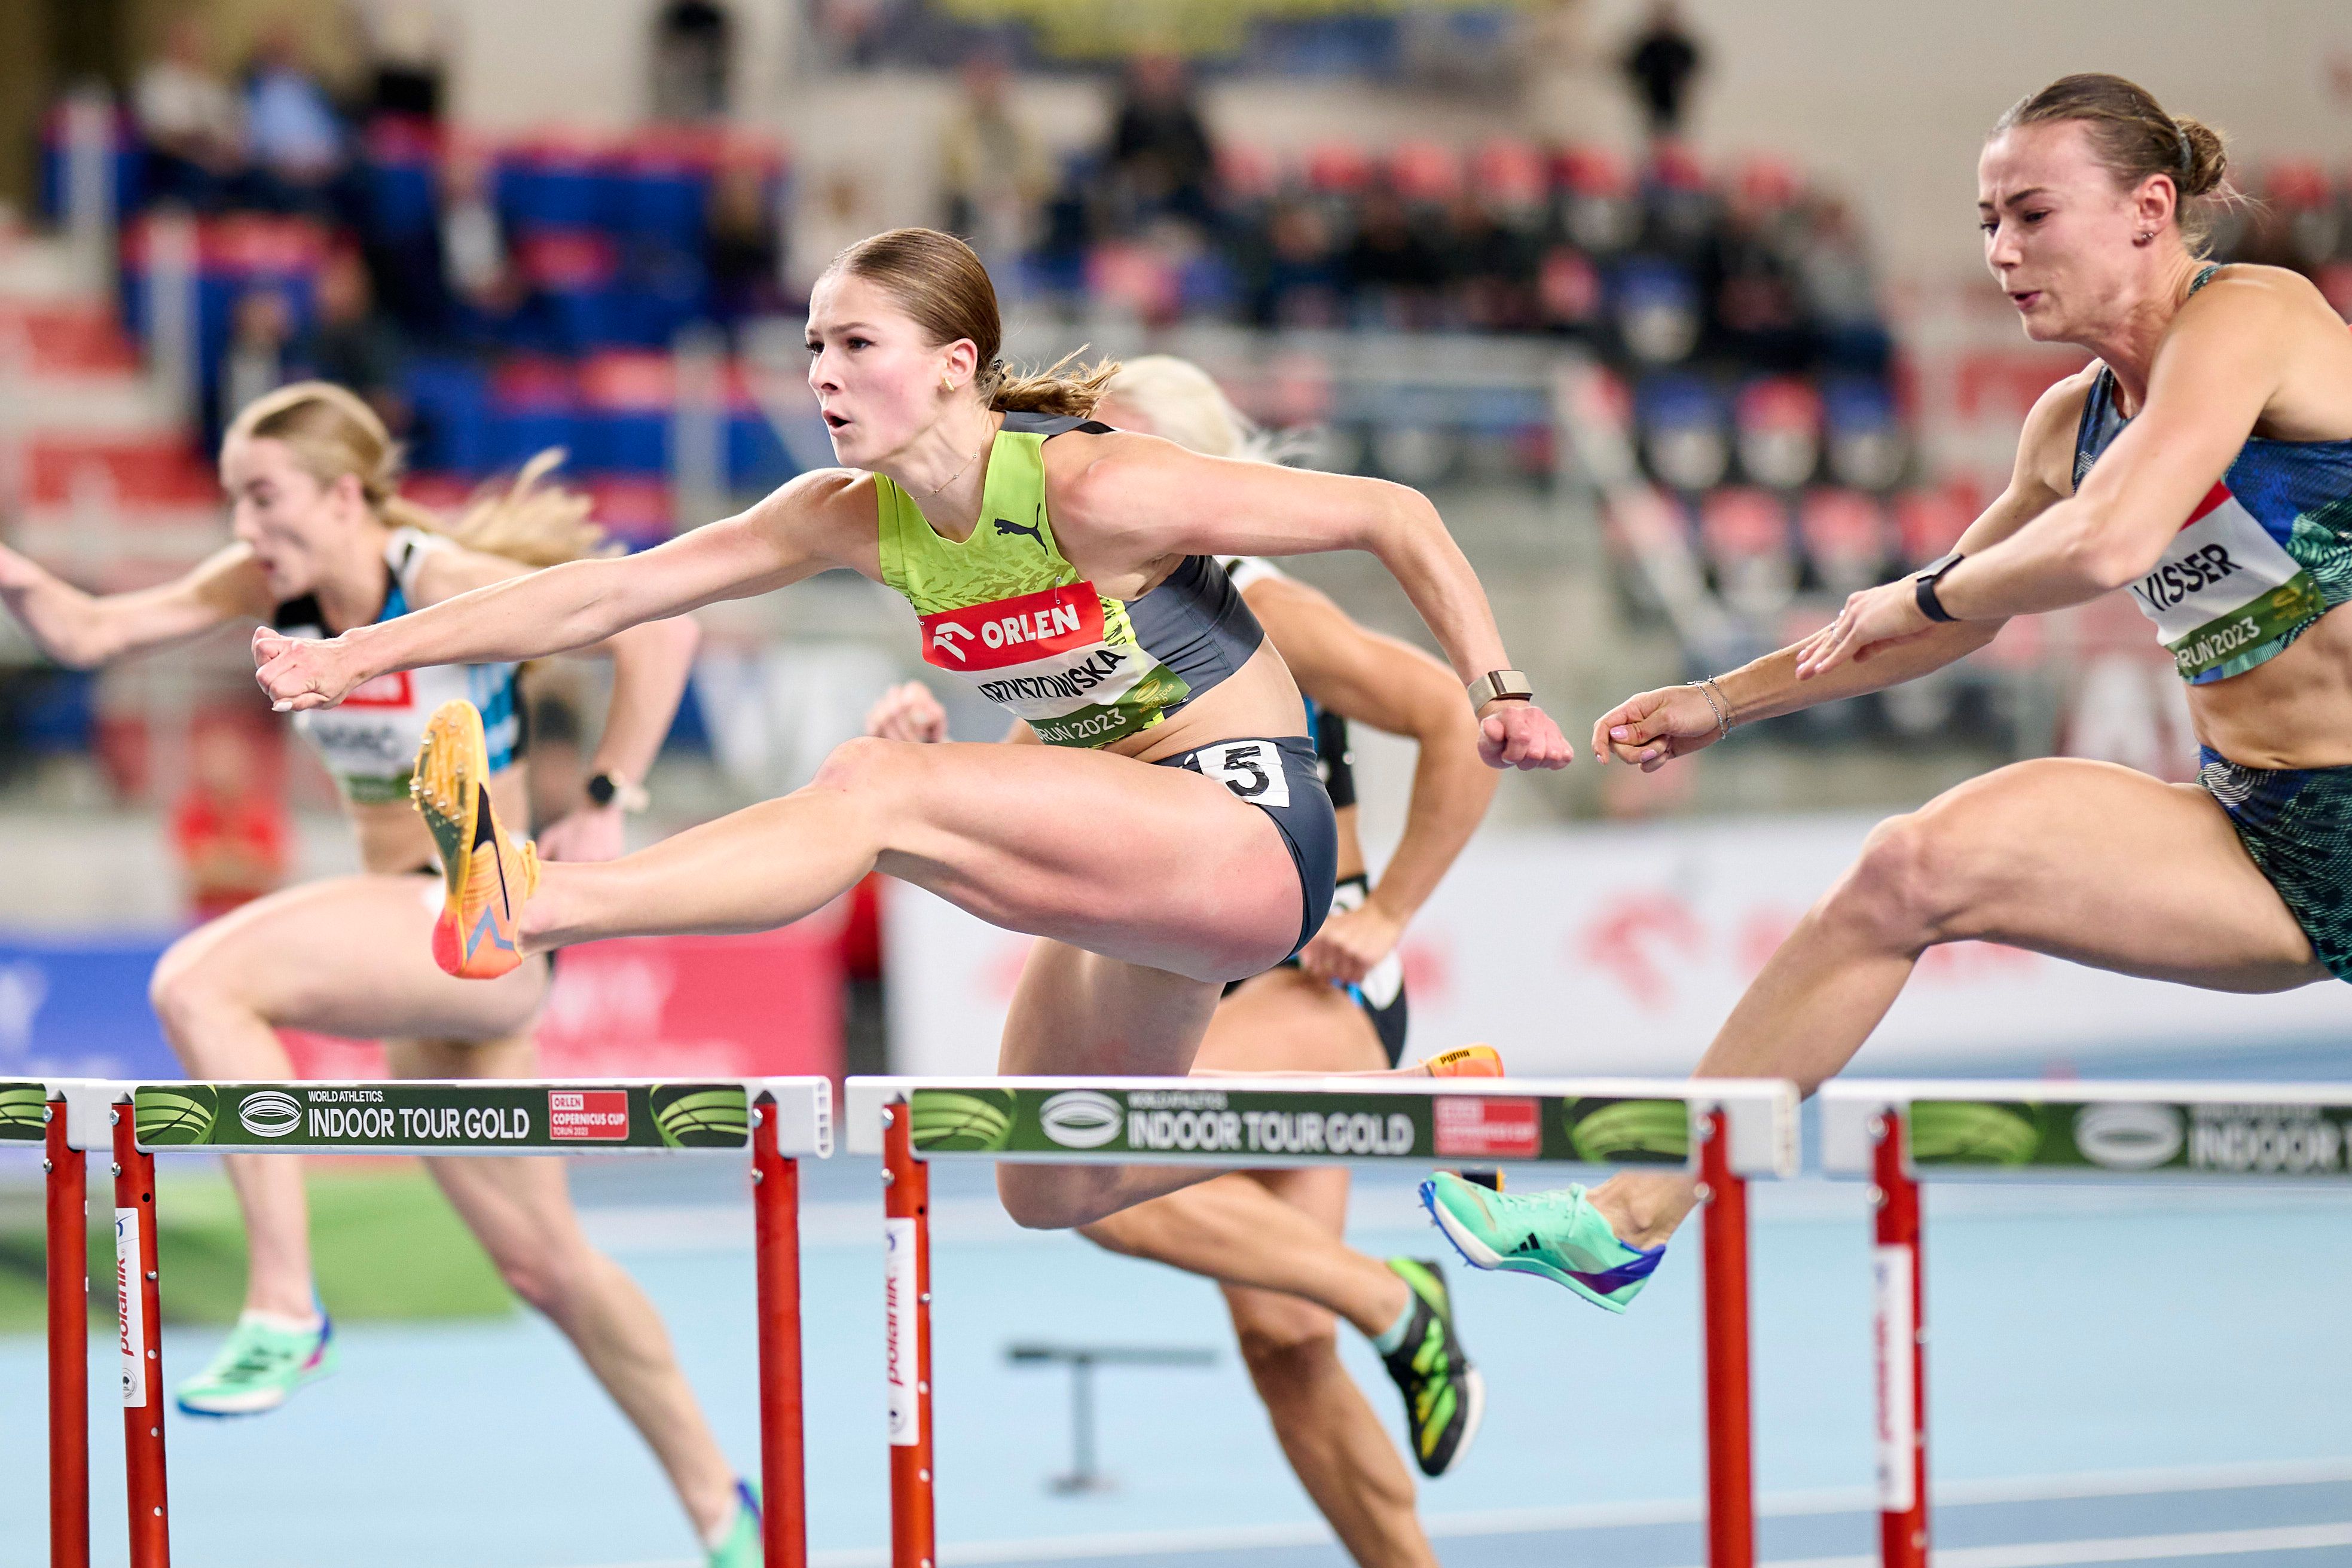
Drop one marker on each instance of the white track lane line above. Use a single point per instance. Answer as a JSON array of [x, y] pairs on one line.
[[1786, 1505], [2119, 1549]]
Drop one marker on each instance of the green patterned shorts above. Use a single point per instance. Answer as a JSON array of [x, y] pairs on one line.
[[2296, 824]]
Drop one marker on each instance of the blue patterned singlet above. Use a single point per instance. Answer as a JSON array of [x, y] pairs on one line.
[[2266, 553]]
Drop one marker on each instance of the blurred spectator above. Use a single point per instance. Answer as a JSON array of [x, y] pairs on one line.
[[350, 342], [478, 271], [693, 44], [1759, 315], [1394, 273], [1661, 63], [260, 328], [409, 43], [1160, 158], [995, 171], [1489, 269], [189, 120], [292, 129], [1297, 279], [1838, 291], [229, 832], [834, 215], [741, 247]]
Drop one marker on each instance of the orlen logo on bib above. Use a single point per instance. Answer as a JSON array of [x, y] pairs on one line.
[[1015, 631], [384, 691]]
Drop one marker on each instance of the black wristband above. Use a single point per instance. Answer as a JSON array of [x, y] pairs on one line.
[[1923, 588]]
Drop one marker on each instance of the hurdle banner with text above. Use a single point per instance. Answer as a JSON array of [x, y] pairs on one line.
[[1620, 949], [2153, 1136], [767, 1005], [1261, 1124], [486, 1118]]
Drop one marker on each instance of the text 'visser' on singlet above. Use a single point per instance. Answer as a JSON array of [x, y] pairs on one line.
[[369, 742], [2266, 553], [1007, 613]]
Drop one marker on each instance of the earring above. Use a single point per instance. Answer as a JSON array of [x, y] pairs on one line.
[[946, 385], [2145, 236]]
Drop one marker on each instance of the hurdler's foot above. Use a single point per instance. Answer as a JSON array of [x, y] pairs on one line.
[[1558, 1234], [489, 876]]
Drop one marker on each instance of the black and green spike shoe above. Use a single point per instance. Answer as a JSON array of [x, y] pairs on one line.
[[1443, 1394]]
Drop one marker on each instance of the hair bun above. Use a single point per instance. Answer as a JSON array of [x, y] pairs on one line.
[[2207, 163]]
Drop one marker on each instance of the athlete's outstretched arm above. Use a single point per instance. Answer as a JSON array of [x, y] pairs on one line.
[[2217, 370], [1142, 499], [1393, 686], [651, 664], [1651, 728], [82, 630], [819, 520]]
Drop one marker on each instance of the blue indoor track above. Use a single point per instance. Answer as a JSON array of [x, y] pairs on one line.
[[2117, 1375]]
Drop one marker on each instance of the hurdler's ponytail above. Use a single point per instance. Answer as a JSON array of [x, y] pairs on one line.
[[332, 432]]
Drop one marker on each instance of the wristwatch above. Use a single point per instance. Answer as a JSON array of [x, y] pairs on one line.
[[1922, 587], [604, 788], [1499, 685]]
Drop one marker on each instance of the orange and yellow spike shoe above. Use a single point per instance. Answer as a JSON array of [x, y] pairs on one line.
[[489, 875], [1466, 1062]]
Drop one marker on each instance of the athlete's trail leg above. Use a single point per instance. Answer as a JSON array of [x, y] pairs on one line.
[[2083, 861], [520, 1211], [218, 1035], [1329, 1432], [1237, 1230], [348, 956]]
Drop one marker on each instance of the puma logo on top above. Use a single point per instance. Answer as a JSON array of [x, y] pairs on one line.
[[1035, 531]]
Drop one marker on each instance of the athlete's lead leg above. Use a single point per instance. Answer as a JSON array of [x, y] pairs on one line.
[[2083, 861], [1156, 865]]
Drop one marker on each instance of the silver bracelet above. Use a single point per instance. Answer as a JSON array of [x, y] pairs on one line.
[[1706, 688]]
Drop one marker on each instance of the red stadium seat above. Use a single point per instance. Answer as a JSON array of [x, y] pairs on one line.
[[1424, 172], [1339, 168], [1509, 172]]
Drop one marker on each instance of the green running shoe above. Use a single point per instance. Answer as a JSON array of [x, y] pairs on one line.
[[259, 1368], [1555, 1234], [1443, 1394], [743, 1547]]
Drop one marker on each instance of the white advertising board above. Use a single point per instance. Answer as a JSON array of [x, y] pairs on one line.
[[1619, 949]]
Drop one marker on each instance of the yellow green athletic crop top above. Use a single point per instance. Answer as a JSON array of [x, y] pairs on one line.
[[1005, 612]]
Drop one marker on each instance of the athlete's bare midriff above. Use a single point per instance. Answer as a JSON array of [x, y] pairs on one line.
[[1258, 701], [392, 836], [2293, 710]]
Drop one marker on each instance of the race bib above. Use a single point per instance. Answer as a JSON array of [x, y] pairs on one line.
[[1250, 768], [2226, 592]]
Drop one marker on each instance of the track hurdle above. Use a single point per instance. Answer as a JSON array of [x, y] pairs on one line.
[[777, 1121], [1900, 1133], [1724, 1131]]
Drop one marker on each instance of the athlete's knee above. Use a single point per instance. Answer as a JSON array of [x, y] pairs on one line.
[[1285, 1344], [1935, 875], [546, 1278], [1911, 875], [187, 990], [1038, 1199], [861, 767]]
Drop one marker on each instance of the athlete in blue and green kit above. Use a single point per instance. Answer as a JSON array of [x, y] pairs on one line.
[[2203, 464]]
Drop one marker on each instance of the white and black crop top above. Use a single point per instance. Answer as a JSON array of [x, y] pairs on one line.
[[369, 742]]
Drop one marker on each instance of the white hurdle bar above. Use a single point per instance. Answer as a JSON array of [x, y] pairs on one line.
[[1723, 1132], [1899, 1133]]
